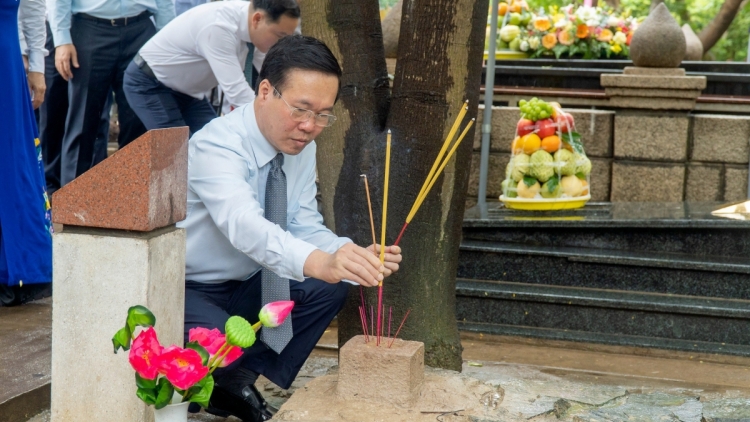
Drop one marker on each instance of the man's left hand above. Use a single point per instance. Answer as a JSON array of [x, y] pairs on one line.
[[392, 257]]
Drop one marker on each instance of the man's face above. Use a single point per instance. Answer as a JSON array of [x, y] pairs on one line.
[[265, 33], [310, 90]]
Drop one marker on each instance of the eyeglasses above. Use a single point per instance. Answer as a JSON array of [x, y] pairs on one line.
[[302, 115]]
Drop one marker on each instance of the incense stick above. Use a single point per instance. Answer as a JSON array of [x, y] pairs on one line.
[[383, 227], [369, 208], [399, 328]]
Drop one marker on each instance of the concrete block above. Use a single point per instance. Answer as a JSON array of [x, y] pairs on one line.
[[496, 174], [651, 103], [380, 374], [653, 93], [646, 136], [595, 127], [647, 182], [721, 138], [653, 81], [704, 182], [735, 183], [601, 178], [658, 71], [98, 275]]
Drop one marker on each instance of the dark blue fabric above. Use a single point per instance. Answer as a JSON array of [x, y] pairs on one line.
[[160, 107], [316, 303], [104, 52], [25, 241]]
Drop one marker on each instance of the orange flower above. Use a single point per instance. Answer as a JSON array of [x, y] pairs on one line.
[[605, 36], [542, 23], [582, 31], [549, 41], [565, 37]]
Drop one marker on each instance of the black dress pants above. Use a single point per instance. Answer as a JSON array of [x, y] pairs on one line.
[[316, 303], [104, 52]]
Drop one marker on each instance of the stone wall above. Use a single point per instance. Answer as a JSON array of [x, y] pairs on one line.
[[639, 157]]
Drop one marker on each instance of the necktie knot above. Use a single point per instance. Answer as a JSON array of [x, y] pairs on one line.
[[276, 166]]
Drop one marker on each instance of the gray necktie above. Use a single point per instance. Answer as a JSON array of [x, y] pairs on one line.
[[249, 64], [274, 287]]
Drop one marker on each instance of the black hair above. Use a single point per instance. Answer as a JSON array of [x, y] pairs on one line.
[[274, 9], [297, 52]]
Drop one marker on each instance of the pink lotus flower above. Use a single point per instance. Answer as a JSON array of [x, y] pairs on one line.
[[144, 354], [273, 314], [182, 367], [212, 341]]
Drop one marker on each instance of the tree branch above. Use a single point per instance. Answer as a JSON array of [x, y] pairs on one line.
[[711, 34]]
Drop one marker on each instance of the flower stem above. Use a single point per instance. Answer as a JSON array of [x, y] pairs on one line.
[[220, 358], [218, 353]]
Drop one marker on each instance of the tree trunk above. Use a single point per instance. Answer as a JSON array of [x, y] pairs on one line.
[[716, 28], [613, 3], [437, 69]]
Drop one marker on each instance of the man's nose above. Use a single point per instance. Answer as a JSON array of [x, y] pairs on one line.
[[308, 125]]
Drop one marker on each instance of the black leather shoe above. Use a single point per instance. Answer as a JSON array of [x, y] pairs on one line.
[[248, 405]]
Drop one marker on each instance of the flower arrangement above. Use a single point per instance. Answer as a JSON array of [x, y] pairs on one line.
[[160, 371], [585, 31]]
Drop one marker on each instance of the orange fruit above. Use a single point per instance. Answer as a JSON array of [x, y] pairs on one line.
[[531, 143], [551, 143], [515, 7], [516, 145], [585, 188], [502, 8]]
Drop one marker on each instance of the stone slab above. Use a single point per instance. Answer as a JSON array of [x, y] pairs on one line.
[[656, 71], [721, 138], [648, 136], [98, 275], [704, 182], [503, 128], [596, 129], [653, 93], [653, 81], [495, 174], [647, 182], [142, 187], [393, 375], [652, 103], [601, 178], [735, 183]]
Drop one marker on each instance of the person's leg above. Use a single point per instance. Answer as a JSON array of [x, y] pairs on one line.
[[134, 36], [96, 47], [52, 117], [151, 100], [196, 112], [316, 303]]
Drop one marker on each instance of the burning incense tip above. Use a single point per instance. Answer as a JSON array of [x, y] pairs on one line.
[[363, 175], [389, 131]]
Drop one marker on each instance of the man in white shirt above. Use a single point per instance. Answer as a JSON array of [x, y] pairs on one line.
[[209, 44], [236, 240]]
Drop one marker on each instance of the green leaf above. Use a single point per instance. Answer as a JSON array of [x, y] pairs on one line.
[[573, 50], [581, 176], [574, 139], [165, 393], [239, 332], [559, 49], [148, 395], [552, 184], [122, 339], [144, 383], [529, 181], [140, 316], [200, 349], [207, 387]]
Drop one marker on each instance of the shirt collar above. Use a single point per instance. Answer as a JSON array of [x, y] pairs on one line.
[[262, 149], [244, 30]]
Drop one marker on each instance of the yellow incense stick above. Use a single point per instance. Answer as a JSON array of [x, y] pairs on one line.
[[385, 196], [442, 165], [439, 158]]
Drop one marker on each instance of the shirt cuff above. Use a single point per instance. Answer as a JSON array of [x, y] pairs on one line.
[[298, 252], [62, 37], [36, 61]]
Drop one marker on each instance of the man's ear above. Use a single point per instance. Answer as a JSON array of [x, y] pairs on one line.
[[265, 90], [255, 19]]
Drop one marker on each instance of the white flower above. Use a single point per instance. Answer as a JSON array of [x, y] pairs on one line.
[[620, 38], [562, 23], [592, 22], [613, 21], [534, 43], [586, 13], [524, 46]]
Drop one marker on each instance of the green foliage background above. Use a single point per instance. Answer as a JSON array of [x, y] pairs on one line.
[[697, 13]]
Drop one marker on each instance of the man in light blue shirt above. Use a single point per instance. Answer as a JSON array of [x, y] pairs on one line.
[[95, 40], [235, 244]]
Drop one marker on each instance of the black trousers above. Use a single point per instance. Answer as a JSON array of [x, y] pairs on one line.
[[104, 52], [316, 303], [52, 116]]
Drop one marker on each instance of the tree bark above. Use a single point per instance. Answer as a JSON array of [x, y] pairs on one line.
[[437, 69], [716, 28]]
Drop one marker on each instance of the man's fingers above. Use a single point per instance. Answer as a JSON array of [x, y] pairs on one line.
[[359, 274], [367, 267], [74, 58], [372, 259]]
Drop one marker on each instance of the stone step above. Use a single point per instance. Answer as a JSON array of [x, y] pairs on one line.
[[623, 270], [604, 316]]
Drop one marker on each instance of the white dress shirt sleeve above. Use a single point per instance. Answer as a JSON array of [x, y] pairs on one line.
[[217, 45], [31, 21], [165, 12], [219, 176], [60, 22]]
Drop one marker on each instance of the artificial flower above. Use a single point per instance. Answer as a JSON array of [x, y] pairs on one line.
[[144, 354], [182, 367], [273, 314], [213, 340]]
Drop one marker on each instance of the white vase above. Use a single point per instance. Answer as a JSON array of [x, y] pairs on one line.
[[172, 413]]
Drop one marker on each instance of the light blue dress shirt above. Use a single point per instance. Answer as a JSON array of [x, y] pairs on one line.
[[163, 11], [227, 236]]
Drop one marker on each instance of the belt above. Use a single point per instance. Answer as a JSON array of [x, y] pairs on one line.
[[138, 60], [116, 22]]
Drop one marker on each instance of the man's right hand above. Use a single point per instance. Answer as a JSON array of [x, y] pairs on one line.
[[65, 55], [350, 262]]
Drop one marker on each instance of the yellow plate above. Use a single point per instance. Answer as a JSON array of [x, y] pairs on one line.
[[545, 204], [507, 55]]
